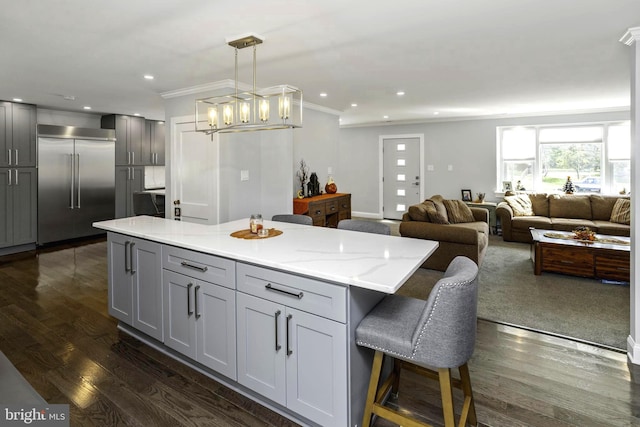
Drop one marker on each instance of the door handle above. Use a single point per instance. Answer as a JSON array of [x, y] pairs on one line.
[[289, 351], [73, 178], [78, 181], [127, 267], [277, 314], [195, 300], [189, 311], [133, 270]]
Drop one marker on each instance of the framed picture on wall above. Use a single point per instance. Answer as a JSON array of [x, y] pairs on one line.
[[466, 195], [507, 186]]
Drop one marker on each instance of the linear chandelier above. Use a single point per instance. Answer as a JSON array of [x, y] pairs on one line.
[[275, 107]]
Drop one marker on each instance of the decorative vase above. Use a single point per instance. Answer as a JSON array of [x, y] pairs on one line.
[[330, 187]]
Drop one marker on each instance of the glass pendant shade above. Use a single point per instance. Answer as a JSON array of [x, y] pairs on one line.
[[252, 108]]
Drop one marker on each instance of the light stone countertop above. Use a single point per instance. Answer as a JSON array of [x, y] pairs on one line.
[[370, 261]]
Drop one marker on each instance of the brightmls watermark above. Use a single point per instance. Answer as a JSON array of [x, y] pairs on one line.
[[34, 415]]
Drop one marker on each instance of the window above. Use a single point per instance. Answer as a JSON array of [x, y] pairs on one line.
[[540, 158]]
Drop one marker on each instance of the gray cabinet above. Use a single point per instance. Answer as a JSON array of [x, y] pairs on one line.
[[18, 192], [135, 283], [200, 308], [17, 135], [129, 179], [292, 342], [130, 138], [153, 150]]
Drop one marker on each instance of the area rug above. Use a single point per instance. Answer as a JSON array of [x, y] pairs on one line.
[[584, 309]]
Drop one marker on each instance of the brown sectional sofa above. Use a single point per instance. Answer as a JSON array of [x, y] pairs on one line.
[[469, 239], [561, 212]]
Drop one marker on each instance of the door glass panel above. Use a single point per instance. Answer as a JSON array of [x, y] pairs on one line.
[[400, 207], [401, 162], [401, 147], [401, 177], [400, 192]]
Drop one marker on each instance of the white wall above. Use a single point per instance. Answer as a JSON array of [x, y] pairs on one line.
[[468, 146]]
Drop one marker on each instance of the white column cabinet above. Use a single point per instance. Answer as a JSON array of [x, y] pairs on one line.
[[135, 283], [290, 348]]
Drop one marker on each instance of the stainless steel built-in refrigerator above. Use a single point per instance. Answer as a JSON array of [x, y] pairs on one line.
[[76, 181]]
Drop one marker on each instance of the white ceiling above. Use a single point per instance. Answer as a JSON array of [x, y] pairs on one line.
[[459, 58]]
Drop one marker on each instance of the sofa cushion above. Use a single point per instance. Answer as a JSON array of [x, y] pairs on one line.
[[419, 212], [523, 223], [434, 216], [621, 212], [601, 206], [520, 205], [569, 206], [539, 204], [570, 224], [458, 211], [612, 228], [438, 202]]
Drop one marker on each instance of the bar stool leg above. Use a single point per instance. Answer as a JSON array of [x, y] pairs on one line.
[[376, 369], [397, 366], [469, 403], [446, 392]]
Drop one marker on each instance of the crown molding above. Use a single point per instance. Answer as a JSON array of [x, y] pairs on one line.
[[632, 34]]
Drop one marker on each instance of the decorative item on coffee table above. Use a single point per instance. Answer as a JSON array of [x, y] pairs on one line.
[[584, 234]]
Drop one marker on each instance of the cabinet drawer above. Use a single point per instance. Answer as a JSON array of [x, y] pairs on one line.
[[578, 262], [317, 209], [312, 296], [613, 267], [331, 207], [344, 204], [209, 268]]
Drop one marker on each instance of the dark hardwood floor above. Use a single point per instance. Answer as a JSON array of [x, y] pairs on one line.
[[55, 328]]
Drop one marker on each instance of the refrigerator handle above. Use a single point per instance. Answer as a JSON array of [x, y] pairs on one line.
[[9, 156], [16, 150], [17, 177], [78, 181], [128, 157], [71, 203], [9, 177], [133, 156]]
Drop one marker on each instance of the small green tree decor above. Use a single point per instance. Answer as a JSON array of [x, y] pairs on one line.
[[302, 174]]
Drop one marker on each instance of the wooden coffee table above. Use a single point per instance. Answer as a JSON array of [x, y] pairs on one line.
[[606, 258]]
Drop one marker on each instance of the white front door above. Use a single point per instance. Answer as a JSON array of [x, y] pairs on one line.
[[401, 175], [196, 178]]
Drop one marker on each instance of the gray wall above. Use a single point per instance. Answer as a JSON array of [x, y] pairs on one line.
[[68, 118], [468, 146]]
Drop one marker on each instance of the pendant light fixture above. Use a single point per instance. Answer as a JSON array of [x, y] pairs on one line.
[[275, 107]]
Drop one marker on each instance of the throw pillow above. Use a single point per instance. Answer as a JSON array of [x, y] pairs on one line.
[[621, 212], [458, 211], [520, 204], [419, 212], [438, 202], [435, 216]]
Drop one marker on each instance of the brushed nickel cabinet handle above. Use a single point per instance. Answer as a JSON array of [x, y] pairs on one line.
[[276, 316], [195, 301], [189, 311], [289, 351], [269, 287]]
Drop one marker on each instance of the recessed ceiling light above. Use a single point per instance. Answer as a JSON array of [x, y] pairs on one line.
[[436, 113], [400, 93], [148, 77], [17, 99], [354, 105], [385, 117], [136, 114], [86, 107], [69, 97], [323, 94]]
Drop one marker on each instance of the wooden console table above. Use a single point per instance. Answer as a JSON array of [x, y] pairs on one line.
[[326, 210]]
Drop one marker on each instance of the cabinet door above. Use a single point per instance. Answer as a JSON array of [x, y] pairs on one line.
[[6, 139], [120, 283], [157, 142], [179, 318], [147, 287], [261, 349], [24, 135], [24, 189], [121, 126], [123, 174], [137, 140], [215, 313], [6, 208], [316, 368]]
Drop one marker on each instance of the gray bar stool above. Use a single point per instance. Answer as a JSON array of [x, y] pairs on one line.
[[293, 219], [364, 226], [427, 337]]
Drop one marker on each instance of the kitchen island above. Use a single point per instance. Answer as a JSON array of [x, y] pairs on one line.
[[273, 318]]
